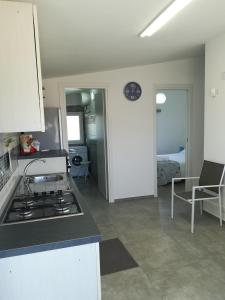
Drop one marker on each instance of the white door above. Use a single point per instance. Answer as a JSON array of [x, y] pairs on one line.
[[101, 143], [172, 132]]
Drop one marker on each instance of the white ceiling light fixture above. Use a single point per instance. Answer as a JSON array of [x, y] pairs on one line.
[[165, 17], [160, 98]]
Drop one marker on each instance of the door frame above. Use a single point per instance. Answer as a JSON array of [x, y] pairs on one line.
[[189, 89], [62, 104]]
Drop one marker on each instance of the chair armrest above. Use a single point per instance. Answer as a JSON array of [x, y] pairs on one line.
[[184, 178], [207, 186]]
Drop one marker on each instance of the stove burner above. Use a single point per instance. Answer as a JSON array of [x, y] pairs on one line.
[[62, 208], [26, 213], [60, 199], [28, 202]]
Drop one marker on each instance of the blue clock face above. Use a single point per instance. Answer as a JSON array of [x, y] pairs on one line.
[[132, 91]]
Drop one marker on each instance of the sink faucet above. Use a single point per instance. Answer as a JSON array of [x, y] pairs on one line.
[[1, 172], [25, 179], [1, 177]]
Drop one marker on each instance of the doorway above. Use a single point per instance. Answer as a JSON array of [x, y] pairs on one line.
[[172, 136], [86, 136]]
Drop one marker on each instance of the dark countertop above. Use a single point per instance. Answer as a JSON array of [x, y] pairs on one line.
[[45, 235], [45, 154]]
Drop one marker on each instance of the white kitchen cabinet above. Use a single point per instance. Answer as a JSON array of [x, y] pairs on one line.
[[51, 165], [71, 273], [21, 99]]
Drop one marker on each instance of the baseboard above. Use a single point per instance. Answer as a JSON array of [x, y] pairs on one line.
[[134, 198]]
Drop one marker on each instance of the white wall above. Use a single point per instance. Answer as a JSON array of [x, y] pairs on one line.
[[172, 121], [131, 124], [214, 148], [215, 107]]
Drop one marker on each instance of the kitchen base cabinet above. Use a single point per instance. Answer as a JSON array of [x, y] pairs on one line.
[[71, 273], [51, 165]]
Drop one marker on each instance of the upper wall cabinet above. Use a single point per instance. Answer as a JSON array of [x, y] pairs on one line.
[[21, 99]]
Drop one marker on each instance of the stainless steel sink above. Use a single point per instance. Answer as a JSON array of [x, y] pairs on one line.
[[44, 178]]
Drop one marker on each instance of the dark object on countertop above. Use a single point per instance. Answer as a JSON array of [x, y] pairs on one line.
[[114, 257]]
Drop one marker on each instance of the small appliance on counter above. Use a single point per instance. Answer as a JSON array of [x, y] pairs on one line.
[[28, 145]]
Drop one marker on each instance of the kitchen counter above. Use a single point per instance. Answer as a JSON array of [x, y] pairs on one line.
[[44, 154], [49, 234]]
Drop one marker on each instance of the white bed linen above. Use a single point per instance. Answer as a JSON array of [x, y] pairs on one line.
[[179, 157]]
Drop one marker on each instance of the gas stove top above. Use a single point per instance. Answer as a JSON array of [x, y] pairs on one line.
[[41, 206]]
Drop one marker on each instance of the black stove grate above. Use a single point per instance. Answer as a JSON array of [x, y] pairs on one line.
[[43, 206]]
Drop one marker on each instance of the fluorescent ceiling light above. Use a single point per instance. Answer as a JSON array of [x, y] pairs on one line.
[[160, 98], [165, 16]]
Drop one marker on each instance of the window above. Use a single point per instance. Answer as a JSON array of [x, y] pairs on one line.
[[75, 128]]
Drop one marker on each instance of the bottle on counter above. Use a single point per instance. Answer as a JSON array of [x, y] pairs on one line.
[[36, 145]]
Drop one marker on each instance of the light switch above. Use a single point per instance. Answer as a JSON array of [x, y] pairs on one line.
[[223, 76], [214, 92]]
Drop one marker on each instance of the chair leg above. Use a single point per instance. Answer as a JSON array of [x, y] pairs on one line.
[[192, 215], [201, 207], [220, 210], [172, 201]]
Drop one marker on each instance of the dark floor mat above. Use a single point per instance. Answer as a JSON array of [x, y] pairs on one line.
[[114, 257]]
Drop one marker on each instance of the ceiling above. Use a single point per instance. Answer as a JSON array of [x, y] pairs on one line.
[[79, 36]]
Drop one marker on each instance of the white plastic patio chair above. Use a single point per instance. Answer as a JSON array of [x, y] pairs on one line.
[[209, 188]]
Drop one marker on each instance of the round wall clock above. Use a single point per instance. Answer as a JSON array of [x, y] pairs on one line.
[[132, 91]]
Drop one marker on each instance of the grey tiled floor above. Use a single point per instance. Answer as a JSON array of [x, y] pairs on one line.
[[173, 263]]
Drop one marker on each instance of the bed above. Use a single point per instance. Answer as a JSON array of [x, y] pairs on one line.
[[169, 166]]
